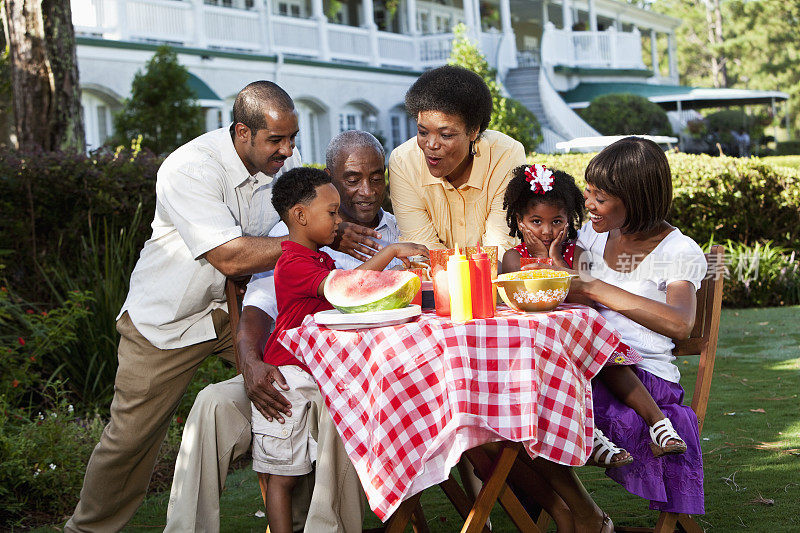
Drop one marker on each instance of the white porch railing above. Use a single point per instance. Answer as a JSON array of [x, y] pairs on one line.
[[592, 49], [195, 24]]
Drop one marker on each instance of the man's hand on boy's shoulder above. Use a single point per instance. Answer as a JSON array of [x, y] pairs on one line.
[[260, 381], [355, 240]]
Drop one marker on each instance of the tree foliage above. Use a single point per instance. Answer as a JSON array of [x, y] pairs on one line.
[[759, 46], [162, 107], [626, 114], [508, 115]]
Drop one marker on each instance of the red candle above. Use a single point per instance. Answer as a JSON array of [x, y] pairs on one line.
[[480, 275]]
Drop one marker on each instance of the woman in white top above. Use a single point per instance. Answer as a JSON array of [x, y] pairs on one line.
[[642, 274]]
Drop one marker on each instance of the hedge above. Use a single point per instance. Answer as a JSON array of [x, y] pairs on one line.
[[744, 200], [50, 200]]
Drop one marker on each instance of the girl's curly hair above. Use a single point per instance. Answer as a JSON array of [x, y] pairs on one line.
[[564, 193]]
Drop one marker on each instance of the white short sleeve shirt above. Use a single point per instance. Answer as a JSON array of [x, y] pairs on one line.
[[205, 197], [676, 258]]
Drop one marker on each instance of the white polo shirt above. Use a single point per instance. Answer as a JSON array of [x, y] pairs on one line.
[[205, 197], [261, 289]]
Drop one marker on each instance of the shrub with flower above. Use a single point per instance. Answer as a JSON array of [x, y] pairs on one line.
[[28, 335]]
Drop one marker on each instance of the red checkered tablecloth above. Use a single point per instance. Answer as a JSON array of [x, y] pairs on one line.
[[409, 399]]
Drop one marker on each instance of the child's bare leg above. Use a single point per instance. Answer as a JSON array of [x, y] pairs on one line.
[[623, 383], [279, 502]]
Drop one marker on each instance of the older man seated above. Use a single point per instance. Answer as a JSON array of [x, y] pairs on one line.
[[218, 426]]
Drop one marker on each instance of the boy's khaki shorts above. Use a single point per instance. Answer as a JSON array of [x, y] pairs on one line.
[[289, 449]]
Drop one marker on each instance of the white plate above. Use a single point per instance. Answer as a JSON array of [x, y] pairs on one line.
[[335, 319]]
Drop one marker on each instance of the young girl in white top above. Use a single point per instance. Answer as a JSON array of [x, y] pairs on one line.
[[643, 275]]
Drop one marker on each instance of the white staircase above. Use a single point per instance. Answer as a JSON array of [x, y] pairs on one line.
[[559, 123]]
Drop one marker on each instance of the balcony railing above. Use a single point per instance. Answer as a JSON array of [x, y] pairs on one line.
[[592, 49], [196, 24]]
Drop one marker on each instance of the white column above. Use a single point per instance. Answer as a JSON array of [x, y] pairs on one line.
[[545, 14], [673, 57], [199, 24], [368, 16], [654, 53], [505, 16], [592, 16], [469, 15], [413, 30], [122, 20], [566, 14], [322, 29], [411, 15], [265, 22]]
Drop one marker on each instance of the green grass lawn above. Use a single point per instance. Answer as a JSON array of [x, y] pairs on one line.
[[792, 161], [751, 444]]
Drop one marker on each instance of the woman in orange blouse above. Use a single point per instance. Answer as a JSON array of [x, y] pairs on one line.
[[447, 184]]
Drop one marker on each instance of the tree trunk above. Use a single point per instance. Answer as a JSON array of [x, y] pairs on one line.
[[44, 75], [719, 71]]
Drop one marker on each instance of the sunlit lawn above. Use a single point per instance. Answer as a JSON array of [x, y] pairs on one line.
[[752, 451], [792, 161]]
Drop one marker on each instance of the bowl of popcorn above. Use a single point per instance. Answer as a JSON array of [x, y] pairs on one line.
[[534, 290]]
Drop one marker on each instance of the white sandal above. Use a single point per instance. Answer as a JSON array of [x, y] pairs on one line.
[[604, 451], [660, 434]]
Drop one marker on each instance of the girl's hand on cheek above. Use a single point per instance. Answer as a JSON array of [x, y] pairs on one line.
[[555, 246], [535, 246]]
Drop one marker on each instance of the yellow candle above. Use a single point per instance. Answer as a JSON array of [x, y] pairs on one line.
[[459, 287]]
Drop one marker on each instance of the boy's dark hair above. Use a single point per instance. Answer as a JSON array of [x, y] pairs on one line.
[[297, 186], [636, 171], [455, 91], [565, 194]]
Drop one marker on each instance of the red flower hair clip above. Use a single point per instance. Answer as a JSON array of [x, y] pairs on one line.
[[540, 178]]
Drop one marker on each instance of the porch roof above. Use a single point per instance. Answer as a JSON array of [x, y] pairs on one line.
[[668, 96], [202, 90]]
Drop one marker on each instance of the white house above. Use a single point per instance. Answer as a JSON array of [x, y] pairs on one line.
[[348, 64]]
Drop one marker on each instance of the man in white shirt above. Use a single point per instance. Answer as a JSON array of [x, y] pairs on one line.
[[217, 423], [213, 214]]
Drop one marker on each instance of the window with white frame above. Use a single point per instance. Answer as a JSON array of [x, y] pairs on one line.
[[291, 8]]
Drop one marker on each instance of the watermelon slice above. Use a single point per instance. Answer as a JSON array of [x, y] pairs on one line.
[[359, 291]]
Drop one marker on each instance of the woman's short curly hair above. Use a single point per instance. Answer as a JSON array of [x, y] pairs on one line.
[[297, 186], [565, 194], [455, 91]]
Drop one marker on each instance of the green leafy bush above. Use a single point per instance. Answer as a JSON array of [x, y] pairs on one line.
[[788, 148], [43, 451], [29, 336], [626, 114], [49, 200], [509, 116], [744, 200], [761, 275]]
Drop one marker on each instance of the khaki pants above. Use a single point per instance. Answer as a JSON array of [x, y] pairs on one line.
[[218, 430], [147, 390]]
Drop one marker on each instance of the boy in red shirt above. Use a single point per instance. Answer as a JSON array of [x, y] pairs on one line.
[[308, 203]]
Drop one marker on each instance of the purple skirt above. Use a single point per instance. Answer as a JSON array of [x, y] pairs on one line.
[[672, 483]]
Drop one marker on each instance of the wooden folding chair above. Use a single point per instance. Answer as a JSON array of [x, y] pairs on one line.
[[703, 342]]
